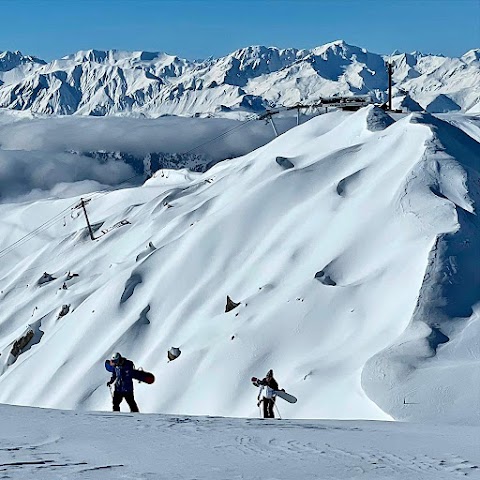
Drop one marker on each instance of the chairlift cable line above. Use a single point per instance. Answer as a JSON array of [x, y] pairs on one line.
[[47, 224], [97, 195], [227, 132], [34, 232]]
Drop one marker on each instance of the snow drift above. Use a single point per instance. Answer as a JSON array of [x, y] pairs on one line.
[[344, 240]]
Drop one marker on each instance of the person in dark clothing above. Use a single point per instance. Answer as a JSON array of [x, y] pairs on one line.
[[122, 379], [271, 386]]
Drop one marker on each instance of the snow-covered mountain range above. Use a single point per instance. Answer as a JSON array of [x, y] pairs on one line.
[[351, 243], [248, 80]]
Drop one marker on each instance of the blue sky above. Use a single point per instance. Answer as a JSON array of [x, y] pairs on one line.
[[200, 28]]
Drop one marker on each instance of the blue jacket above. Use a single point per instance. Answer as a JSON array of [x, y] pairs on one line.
[[123, 377]]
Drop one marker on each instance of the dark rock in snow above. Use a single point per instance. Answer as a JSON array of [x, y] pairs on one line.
[[231, 304], [284, 162], [22, 342], [325, 279], [173, 353], [45, 278], [65, 309]]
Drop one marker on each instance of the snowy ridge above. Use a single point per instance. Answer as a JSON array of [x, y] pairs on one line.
[[447, 314], [327, 236], [14, 66], [95, 82]]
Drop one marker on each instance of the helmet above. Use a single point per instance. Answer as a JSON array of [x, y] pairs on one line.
[[116, 357], [270, 373]]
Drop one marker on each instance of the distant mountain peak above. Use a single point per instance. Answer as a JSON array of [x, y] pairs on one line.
[[10, 60], [338, 47], [116, 82], [472, 55], [337, 43]]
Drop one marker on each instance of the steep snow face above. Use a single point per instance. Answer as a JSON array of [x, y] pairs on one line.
[[11, 60], [14, 66], [453, 82], [96, 82], [470, 124], [325, 237], [439, 351], [472, 56], [405, 104], [246, 63]]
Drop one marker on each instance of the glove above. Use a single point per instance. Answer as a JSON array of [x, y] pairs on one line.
[[109, 383], [258, 404]]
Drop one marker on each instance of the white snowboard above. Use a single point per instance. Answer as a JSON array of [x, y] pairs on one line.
[[285, 396]]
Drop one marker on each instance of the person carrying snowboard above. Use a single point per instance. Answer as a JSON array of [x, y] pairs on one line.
[[122, 379], [271, 386]]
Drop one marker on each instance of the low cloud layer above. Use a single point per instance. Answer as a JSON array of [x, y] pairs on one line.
[[30, 175], [138, 136], [41, 157]]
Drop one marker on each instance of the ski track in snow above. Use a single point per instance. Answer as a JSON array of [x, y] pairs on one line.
[[56, 445]]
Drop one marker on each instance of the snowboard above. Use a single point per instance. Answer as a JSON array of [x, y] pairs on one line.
[[140, 375], [286, 396], [143, 376], [279, 393]]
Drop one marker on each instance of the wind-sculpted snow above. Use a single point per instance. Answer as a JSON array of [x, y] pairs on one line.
[[251, 79], [439, 350], [366, 244]]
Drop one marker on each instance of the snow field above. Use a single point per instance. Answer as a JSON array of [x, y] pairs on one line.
[[48, 444]]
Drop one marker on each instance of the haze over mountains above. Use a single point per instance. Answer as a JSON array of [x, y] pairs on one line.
[[248, 80]]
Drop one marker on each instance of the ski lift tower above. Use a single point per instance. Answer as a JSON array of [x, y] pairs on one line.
[[390, 74]]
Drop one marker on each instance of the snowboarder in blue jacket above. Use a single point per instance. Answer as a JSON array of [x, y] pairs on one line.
[[122, 379]]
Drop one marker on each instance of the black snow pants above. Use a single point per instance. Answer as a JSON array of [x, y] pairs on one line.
[[128, 396], [268, 404]]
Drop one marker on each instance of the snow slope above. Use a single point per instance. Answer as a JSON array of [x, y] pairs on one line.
[[447, 314], [470, 124], [50, 445], [251, 79], [339, 238]]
